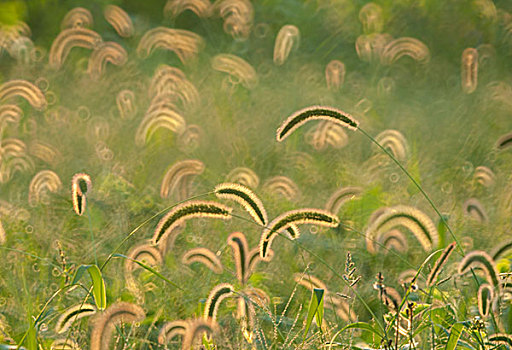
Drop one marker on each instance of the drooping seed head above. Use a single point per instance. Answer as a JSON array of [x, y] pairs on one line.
[[302, 116]]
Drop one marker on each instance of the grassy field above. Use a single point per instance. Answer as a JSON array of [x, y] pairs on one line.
[[273, 174]]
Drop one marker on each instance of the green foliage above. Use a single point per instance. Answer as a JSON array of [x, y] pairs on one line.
[[315, 309], [148, 268], [448, 135], [455, 334], [12, 11], [98, 284]]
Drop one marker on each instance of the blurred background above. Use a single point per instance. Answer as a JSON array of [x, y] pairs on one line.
[[161, 101]]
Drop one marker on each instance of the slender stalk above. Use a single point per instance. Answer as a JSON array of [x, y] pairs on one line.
[[136, 229], [461, 249], [396, 331], [38, 318], [409, 288], [323, 262], [92, 235]]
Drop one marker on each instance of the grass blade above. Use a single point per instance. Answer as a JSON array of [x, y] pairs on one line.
[[319, 316], [455, 334], [149, 268], [99, 291], [316, 308], [363, 326], [79, 273], [32, 337], [98, 287]]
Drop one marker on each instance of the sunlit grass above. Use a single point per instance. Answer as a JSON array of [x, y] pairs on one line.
[[164, 106]]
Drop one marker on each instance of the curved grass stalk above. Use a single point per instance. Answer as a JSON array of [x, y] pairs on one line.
[[418, 186], [245, 197], [436, 270], [294, 217], [381, 245], [323, 262], [187, 210], [113, 254], [482, 259], [72, 314], [204, 256], [217, 294], [413, 219], [240, 247], [501, 250], [105, 323], [136, 229], [501, 339], [171, 330], [196, 328], [304, 115], [485, 295]]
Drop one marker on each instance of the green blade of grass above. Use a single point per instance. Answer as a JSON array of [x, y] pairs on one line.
[[454, 337], [149, 268], [441, 230], [315, 309], [79, 273], [319, 316], [99, 291], [32, 337], [363, 326]]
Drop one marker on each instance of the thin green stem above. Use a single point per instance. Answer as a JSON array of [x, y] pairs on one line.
[[92, 235], [409, 288], [136, 229], [336, 273], [44, 309], [46, 260], [417, 186]]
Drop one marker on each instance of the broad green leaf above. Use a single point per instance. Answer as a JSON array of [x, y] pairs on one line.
[[319, 316], [455, 334], [98, 284], [79, 273], [98, 287], [316, 306]]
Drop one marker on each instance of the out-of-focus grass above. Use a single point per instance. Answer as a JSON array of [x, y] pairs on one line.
[[449, 134]]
